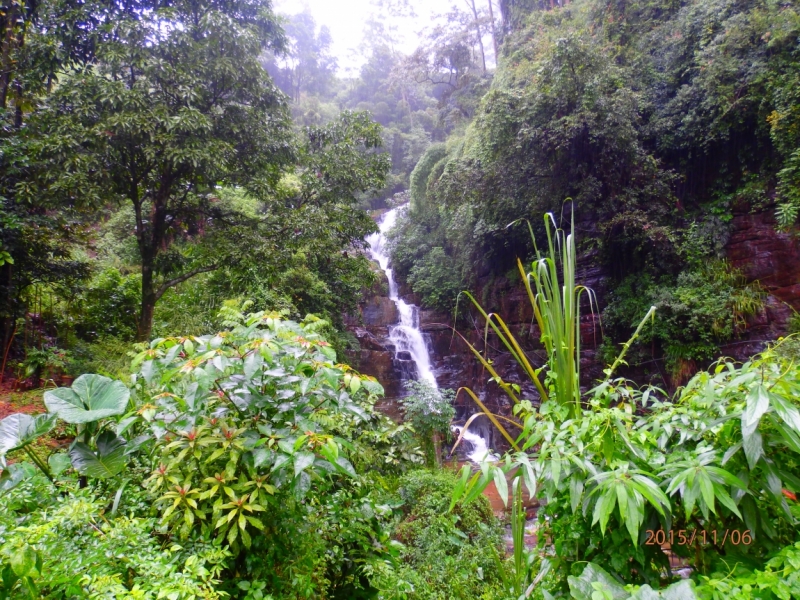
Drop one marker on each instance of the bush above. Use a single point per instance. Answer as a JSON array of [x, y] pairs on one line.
[[447, 554], [109, 306], [430, 412], [701, 310], [435, 279], [248, 462]]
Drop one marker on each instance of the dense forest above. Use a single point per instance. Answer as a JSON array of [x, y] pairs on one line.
[[200, 211]]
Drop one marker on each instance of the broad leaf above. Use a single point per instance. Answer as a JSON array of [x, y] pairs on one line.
[[757, 405], [302, 460], [581, 587], [109, 460], [91, 397], [19, 430]]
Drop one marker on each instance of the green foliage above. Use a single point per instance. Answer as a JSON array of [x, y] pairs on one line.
[[435, 279], [697, 462], [227, 437], [429, 411], [698, 312], [91, 398], [76, 549], [448, 554], [109, 306], [107, 356], [779, 579], [260, 458], [660, 120]]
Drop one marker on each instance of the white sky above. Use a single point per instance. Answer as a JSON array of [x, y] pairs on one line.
[[346, 18]]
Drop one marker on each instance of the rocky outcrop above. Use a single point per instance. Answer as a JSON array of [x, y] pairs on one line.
[[772, 259], [755, 247]]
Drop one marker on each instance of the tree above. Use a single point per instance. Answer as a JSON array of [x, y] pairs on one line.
[[307, 65], [311, 247], [447, 55], [37, 41], [176, 104], [478, 32]]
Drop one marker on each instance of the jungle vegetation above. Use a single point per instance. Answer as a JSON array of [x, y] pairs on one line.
[[185, 189]]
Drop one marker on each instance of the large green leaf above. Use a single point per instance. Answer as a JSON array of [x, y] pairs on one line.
[[108, 461], [91, 397], [581, 587], [19, 430]]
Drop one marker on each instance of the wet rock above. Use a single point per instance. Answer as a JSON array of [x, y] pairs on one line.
[[378, 311]]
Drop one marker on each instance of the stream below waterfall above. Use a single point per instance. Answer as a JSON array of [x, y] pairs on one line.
[[406, 335]]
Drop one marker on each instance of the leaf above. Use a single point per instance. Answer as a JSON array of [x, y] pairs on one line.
[[23, 562], [581, 587], [682, 590], [302, 460], [461, 485], [788, 413], [59, 463], [753, 448], [91, 397], [575, 491], [252, 364], [730, 452], [373, 387], [603, 508], [330, 354], [345, 466], [757, 405], [19, 430], [109, 460], [302, 485], [14, 474], [501, 484]]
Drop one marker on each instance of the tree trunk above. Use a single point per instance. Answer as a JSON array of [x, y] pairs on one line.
[[478, 31], [437, 448], [148, 303], [494, 34]]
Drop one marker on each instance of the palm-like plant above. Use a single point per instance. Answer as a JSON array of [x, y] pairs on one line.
[[556, 307]]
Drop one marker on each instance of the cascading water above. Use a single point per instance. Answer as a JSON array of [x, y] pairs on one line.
[[406, 335], [480, 451]]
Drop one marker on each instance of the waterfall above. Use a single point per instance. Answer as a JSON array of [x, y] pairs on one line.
[[480, 451], [406, 335]]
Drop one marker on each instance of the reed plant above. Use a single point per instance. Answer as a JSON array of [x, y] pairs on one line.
[[555, 298], [556, 303]]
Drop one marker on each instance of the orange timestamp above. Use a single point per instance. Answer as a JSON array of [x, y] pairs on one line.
[[687, 537]]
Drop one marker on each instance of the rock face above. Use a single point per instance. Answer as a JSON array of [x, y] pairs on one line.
[[771, 258], [755, 247]]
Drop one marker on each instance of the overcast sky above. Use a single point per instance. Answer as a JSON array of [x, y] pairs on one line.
[[346, 18]]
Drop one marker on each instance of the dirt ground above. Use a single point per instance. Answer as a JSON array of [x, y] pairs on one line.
[[32, 402]]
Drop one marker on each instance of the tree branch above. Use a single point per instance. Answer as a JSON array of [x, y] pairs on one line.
[[173, 282]]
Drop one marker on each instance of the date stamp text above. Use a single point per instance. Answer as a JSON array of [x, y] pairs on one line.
[[688, 537]]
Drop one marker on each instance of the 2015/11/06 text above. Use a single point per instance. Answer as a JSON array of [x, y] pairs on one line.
[[687, 537]]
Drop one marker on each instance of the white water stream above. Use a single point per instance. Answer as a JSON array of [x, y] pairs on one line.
[[406, 335]]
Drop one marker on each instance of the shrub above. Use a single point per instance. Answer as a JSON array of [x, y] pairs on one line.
[[110, 306], [430, 411], [447, 554]]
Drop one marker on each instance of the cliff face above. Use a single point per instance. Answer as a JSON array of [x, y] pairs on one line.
[[755, 247], [773, 259]]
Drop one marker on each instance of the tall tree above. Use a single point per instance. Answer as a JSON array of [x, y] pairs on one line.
[[176, 104], [307, 64], [38, 40], [478, 33]]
